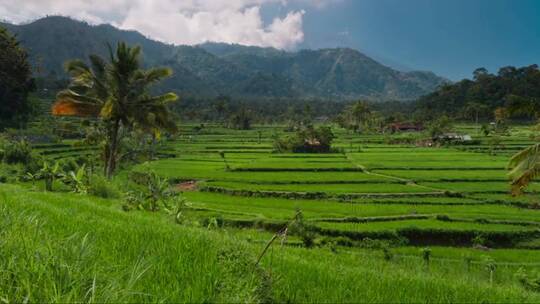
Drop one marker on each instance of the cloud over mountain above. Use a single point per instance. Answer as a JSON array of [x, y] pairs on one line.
[[180, 21]]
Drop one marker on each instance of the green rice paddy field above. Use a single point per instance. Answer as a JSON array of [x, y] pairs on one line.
[[456, 198], [387, 223]]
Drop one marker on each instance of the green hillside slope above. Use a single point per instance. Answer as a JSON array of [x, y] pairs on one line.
[[213, 68]]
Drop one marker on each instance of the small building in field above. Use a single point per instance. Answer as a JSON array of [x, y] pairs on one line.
[[453, 137]]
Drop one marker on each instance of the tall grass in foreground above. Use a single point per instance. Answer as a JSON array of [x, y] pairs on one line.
[[314, 276], [59, 247], [69, 248]]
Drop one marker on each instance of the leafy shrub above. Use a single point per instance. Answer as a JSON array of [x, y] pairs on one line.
[[16, 152], [49, 172], [304, 231], [307, 140], [440, 126], [478, 240], [333, 246], [374, 244], [19, 152], [77, 180], [101, 187], [336, 241], [69, 164], [214, 223], [133, 200], [154, 195], [138, 177], [530, 282], [426, 255], [10, 173]]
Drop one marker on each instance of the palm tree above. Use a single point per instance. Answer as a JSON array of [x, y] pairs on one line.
[[360, 115], [524, 166], [116, 92]]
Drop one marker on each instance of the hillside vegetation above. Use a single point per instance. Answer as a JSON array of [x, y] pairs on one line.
[[515, 91], [229, 69]]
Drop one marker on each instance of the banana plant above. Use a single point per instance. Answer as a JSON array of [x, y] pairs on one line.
[[49, 173], [177, 208], [77, 180], [32, 177], [158, 191]]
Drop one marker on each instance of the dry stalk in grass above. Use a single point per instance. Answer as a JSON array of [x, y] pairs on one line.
[[282, 232]]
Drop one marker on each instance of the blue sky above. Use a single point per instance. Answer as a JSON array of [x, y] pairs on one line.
[[448, 37]]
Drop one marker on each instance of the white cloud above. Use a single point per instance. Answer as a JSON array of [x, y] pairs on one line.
[[178, 21]]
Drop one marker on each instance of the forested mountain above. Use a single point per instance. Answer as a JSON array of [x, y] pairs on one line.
[[215, 68]]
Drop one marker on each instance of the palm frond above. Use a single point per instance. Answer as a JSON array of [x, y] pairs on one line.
[[157, 74], [76, 67], [134, 53], [99, 79], [76, 97], [68, 107], [79, 88], [529, 154], [524, 167], [523, 180], [158, 100], [108, 110], [154, 118], [110, 51], [99, 66]]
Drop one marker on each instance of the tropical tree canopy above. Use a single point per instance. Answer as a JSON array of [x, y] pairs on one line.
[[15, 82], [116, 92], [357, 116]]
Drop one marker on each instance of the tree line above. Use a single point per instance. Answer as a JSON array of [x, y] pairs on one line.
[[515, 90]]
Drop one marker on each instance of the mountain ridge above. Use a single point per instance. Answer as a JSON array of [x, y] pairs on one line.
[[212, 69]]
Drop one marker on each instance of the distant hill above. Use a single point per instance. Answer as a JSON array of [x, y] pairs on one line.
[[216, 68]]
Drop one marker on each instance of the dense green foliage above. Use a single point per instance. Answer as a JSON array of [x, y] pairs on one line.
[[15, 82], [16, 159], [518, 89], [248, 72], [306, 140]]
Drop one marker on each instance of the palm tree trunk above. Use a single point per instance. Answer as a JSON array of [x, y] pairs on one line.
[[153, 147], [113, 147]]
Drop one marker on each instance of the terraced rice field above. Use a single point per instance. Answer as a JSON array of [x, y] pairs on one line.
[[427, 196], [372, 211], [66, 149]]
